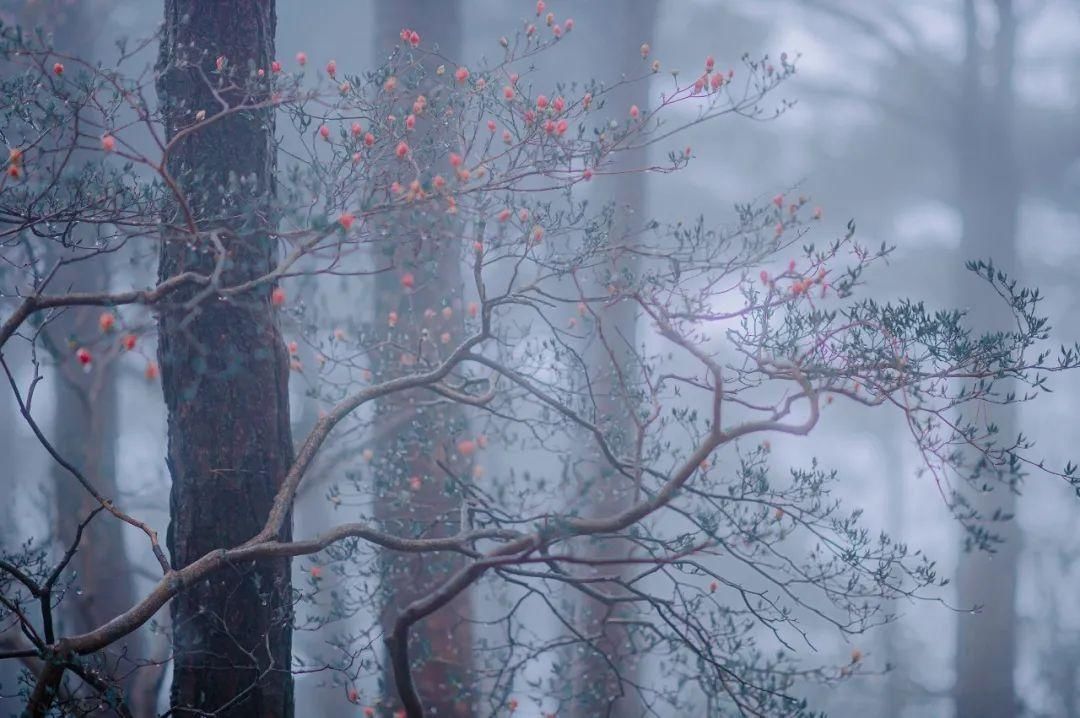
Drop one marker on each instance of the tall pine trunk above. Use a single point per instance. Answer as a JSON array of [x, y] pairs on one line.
[[415, 497], [989, 200], [224, 370]]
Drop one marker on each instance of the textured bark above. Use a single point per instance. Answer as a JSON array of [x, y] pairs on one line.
[[224, 373], [609, 671], [989, 200], [429, 247]]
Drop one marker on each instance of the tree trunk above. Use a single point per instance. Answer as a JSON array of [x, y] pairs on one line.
[[414, 495], [609, 670], [989, 200], [224, 371]]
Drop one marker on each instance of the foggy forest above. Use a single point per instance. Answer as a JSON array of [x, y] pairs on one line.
[[539, 358]]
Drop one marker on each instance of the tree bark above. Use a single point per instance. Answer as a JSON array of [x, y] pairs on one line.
[[414, 495], [224, 369]]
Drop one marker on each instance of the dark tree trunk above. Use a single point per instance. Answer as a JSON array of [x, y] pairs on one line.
[[224, 370], [989, 199], [415, 496]]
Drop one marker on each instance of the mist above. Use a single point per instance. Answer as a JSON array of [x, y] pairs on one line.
[[945, 131]]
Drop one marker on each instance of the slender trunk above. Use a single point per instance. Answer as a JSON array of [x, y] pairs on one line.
[[989, 199], [415, 496], [609, 670], [224, 371]]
